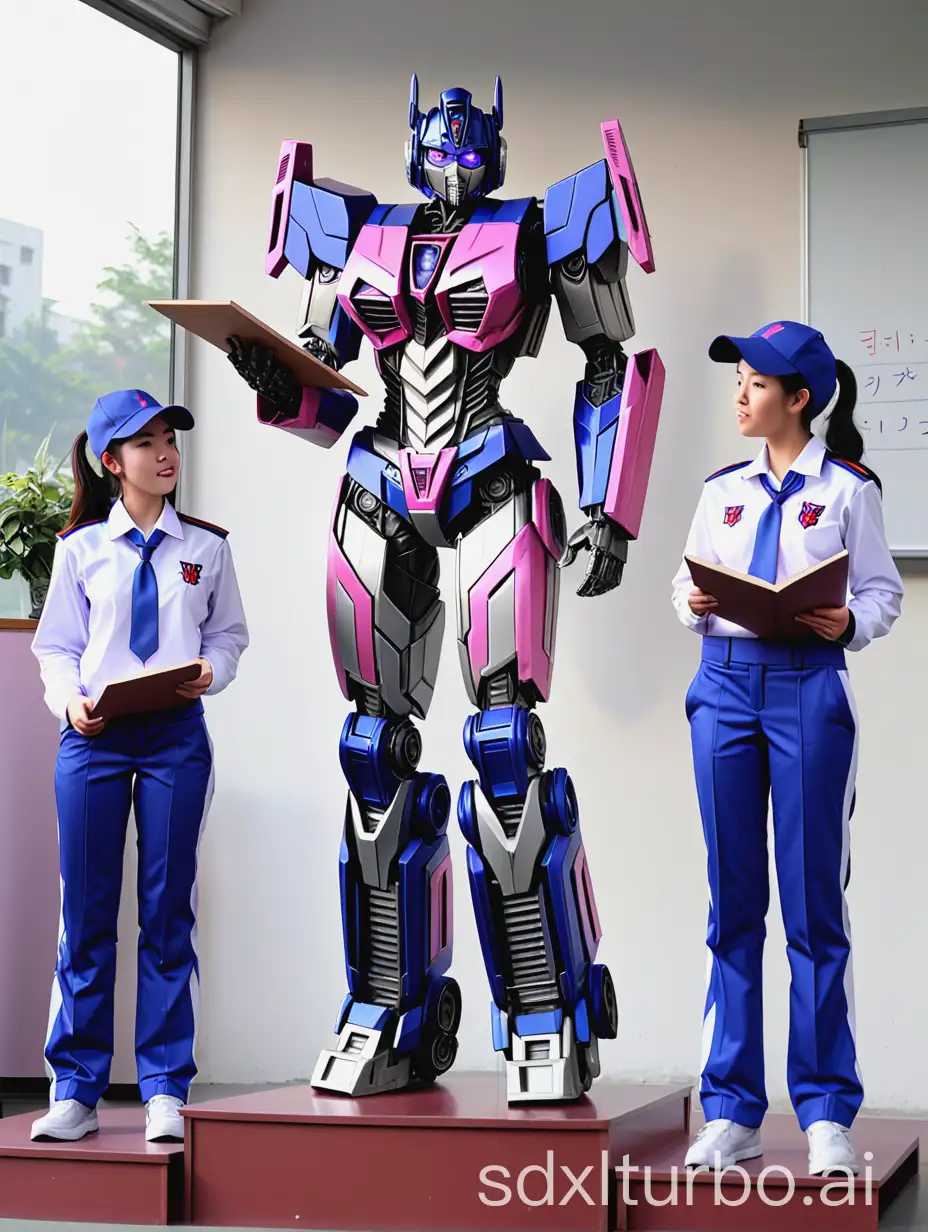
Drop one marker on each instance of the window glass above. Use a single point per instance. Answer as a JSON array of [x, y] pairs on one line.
[[87, 208]]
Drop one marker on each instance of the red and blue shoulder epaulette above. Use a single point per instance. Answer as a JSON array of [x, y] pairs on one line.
[[862, 472], [726, 470], [217, 530], [63, 534]]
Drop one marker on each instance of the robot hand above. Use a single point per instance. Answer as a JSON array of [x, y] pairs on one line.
[[264, 372], [323, 351], [608, 550]]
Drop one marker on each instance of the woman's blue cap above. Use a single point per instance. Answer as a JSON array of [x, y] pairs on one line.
[[123, 413], [782, 348]]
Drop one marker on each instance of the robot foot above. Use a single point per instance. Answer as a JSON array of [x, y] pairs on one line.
[[551, 1067], [363, 1062], [378, 1050]]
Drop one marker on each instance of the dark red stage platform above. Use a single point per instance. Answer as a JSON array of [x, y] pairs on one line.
[[112, 1176], [450, 1156]]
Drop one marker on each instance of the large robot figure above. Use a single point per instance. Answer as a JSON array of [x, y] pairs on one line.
[[451, 293]]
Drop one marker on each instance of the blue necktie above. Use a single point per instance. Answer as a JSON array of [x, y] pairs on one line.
[[767, 541], [143, 636]]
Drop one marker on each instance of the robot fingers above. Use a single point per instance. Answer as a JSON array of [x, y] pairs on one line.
[[578, 542], [603, 573]]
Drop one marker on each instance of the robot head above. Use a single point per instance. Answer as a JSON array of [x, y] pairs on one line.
[[455, 151]]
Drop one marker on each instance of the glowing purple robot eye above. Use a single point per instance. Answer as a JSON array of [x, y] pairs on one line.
[[471, 158], [438, 157]]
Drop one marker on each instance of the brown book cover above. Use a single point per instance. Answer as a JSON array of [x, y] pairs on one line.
[[217, 320], [769, 610], [153, 690]]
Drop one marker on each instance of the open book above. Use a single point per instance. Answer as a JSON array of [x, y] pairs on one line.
[[769, 610], [152, 690], [217, 320]]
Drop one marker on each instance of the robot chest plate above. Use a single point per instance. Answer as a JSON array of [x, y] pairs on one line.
[[472, 277]]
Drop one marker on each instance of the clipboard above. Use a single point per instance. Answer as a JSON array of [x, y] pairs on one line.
[[148, 691], [216, 320]]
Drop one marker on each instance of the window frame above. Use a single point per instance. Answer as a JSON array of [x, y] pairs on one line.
[[188, 27]]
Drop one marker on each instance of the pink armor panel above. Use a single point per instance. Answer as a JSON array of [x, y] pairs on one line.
[[296, 163], [511, 606], [625, 183], [478, 291], [425, 479], [305, 423], [371, 288], [477, 288], [352, 636], [634, 443]]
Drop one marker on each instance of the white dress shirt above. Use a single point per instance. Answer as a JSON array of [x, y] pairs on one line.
[[843, 509], [82, 640]]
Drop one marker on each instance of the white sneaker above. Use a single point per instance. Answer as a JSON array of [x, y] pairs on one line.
[[721, 1143], [66, 1121], [163, 1122], [830, 1149]]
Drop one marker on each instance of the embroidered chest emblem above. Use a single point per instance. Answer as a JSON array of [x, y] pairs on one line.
[[733, 514], [191, 573], [809, 514]]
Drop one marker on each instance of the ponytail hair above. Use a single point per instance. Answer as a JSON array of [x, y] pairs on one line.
[[842, 437], [93, 494]]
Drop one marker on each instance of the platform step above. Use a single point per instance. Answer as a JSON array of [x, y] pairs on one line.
[[453, 1155], [112, 1176], [773, 1191]]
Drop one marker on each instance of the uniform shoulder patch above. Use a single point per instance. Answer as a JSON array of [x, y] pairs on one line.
[[862, 472], [66, 534], [216, 530], [726, 470]]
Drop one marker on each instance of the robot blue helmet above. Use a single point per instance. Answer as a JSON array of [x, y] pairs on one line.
[[455, 150]]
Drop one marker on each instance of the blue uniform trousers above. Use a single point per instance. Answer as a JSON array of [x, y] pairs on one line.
[[163, 764], [773, 719]]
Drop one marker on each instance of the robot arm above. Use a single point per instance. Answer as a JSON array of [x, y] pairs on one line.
[[592, 221], [313, 226]]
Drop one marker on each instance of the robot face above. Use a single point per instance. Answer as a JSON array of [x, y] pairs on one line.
[[454, 174], [456, 150]]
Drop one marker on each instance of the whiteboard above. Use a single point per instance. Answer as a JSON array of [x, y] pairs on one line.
[[866, 263]]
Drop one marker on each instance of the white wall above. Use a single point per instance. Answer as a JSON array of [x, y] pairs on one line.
[[710, 95]]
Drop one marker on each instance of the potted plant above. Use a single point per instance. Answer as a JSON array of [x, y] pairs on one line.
[[33, 509]]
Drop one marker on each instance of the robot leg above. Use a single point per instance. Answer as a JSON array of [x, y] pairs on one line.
[[400, 1017], [530, 880]]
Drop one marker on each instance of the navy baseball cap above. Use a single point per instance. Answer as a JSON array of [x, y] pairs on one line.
[[782, 348], [127, 411]]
